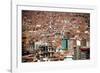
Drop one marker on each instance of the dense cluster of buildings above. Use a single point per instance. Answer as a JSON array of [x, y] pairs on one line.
[[55, 36]]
